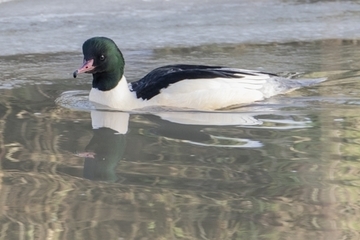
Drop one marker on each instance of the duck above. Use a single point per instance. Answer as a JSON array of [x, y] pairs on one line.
[[177, 86]]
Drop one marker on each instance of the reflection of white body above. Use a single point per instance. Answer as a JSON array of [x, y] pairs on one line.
[[210, 119], [119, 121]]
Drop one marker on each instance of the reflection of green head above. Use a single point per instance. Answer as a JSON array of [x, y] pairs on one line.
[[108, 147]]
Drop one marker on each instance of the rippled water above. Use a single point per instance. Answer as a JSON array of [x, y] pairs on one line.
[[284, 168]]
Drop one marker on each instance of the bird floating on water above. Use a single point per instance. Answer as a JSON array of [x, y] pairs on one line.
[[193, 87]]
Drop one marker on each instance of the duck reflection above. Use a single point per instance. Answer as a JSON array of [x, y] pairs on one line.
[[104, 152], [107, 146], [229, 130]]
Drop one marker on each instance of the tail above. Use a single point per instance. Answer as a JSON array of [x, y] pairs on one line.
[[284, 85], [307, 82], [292, 84]]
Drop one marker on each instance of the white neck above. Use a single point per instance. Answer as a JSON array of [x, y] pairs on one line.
[[119, 97]]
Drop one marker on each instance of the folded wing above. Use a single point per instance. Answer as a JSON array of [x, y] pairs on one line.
[[160, 78]]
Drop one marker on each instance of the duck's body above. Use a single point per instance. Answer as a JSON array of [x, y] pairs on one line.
[[240, 87], [176, 86]]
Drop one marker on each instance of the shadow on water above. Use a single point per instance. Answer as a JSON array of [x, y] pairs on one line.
[[285, 168]]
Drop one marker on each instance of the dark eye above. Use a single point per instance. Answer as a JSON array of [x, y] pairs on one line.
[[102, 58]]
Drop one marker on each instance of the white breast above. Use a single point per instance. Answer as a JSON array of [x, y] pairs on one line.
[[119, 97]]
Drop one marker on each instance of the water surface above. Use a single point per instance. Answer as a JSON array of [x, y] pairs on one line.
[[284, 168]]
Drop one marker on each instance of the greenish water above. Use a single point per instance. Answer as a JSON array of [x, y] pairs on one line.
[[285, 168]]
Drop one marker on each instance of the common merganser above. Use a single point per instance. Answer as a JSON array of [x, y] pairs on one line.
[[196, 87]]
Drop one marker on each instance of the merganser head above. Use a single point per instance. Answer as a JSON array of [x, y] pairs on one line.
[[104, 60]]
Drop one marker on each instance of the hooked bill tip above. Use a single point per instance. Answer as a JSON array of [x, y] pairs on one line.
[[75, 73]]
